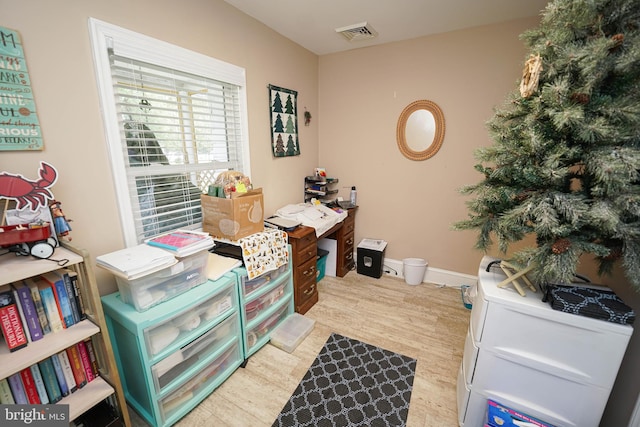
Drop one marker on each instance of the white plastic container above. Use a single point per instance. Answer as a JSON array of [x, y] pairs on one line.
[[291, 332], [414, 270], [147, 291]]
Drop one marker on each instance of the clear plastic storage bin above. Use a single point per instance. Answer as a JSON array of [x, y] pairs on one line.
[[152, 289]]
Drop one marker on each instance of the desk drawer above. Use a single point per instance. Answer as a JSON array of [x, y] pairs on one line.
[[305, 291], [349, 225], [306, 253], [305, 272]]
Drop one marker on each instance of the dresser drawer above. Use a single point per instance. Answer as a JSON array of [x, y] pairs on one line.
[[176, 331], [178, 363], [200, 384], [469, 358]]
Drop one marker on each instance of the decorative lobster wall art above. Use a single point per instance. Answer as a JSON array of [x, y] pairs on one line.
[[29, 193]]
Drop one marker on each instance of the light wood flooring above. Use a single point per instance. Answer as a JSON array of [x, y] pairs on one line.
[[425, 322]]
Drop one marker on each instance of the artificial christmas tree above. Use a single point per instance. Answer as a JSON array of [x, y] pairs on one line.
[[565, 161]]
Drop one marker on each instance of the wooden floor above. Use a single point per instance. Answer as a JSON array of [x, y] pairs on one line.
[[425, 322]]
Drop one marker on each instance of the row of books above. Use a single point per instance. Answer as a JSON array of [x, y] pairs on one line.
[[39, 305], [53, 378]]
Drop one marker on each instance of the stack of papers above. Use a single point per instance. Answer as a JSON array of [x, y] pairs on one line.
[[182, 243], [137, 261]]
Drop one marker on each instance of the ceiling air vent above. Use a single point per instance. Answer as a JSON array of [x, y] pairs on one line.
[[355, 32]]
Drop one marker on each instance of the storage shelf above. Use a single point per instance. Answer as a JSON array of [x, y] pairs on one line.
[[14, 268], [88, 396], [52, 343]]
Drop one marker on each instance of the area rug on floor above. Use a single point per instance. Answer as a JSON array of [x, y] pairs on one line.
[[352, 383]]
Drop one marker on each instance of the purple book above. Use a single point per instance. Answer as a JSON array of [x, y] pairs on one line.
[[29, 310]]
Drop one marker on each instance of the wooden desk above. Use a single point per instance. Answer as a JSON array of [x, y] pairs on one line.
[[304, 248]]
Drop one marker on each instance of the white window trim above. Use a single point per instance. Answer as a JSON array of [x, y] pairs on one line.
[[143, 48]]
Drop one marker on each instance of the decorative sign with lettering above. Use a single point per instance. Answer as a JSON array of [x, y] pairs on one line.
[[19, 125]]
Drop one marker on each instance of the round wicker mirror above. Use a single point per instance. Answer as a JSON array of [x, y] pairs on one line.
[[420, 130]]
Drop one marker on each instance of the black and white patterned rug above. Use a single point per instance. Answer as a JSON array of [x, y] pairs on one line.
[[352, 383]]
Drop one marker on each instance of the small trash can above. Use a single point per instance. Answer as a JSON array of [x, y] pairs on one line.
[[414, 270]]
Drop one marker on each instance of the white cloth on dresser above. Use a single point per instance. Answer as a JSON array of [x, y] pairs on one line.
[[319, 217]]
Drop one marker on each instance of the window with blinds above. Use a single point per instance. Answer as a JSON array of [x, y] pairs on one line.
[[177, 129]]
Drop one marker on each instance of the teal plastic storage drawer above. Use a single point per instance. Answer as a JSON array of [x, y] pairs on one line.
[[249, 287], [174, 354], [193, 355], [264, 302], [201, 383]]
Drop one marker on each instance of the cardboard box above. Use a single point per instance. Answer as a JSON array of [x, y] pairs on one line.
[[234, 218], [370, 255], [502, 416]]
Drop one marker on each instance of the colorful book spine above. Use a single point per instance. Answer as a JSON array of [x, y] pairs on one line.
[[50, 306], [67, 371], [57, 369], [39, 382], [17, 389], [37, 302], [86, 361], [6, 398], [29, 311], [76, 366], [71, 295], [77, 293], [10, 322], [50, 380], [92, 357], [30, 386], [23, 320], [62, 299]]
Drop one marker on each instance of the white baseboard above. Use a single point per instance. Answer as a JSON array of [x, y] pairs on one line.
[[434, 275]]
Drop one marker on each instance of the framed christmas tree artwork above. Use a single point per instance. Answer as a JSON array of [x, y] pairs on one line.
[[283, 109]]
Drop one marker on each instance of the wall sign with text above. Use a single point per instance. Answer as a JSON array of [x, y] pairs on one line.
[[19, 125]]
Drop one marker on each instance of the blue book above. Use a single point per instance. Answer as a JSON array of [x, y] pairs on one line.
[[75, 310], [62, 298], [29, 310], [39, 381], [57, 368], [50, 380], [17, 389]]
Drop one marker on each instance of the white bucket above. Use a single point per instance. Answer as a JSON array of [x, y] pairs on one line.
[[414, 270]]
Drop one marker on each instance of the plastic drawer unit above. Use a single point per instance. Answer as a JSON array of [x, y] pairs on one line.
[[176, 353], [265, 306], [554, 366], [152, 289]]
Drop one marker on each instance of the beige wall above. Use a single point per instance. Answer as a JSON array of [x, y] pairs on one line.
[[58, 52], [412, 204], [355, 98]]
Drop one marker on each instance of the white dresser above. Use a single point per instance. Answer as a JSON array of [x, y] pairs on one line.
[[555, 366]]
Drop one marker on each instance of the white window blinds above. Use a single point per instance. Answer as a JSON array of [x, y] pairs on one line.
[[178, 127]]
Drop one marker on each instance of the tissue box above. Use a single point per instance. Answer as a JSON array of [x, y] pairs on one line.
[[234, 218]]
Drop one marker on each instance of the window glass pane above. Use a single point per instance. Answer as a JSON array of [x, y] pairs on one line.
[[179, 131]]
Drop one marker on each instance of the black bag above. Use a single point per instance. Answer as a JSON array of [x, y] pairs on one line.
[[589, 302]]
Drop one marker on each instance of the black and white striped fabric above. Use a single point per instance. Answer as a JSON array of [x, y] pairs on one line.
[[351, 383], [596, 303]]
